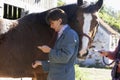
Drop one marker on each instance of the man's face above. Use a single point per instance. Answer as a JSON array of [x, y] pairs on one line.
[[55, 24]]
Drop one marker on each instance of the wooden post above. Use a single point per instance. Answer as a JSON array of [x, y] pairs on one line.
[[19, 12], [5, 11], [10, 12], [15, 13]]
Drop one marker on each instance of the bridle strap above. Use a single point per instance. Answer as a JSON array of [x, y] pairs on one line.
[[90, 39], [84, 34]]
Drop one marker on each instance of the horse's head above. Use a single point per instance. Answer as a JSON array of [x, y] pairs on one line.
[[88, 23]]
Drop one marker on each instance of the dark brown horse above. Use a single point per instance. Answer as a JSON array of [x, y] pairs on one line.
[[19, 38]]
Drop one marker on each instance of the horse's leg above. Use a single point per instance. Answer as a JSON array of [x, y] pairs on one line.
[[34, 78], [40, 76]]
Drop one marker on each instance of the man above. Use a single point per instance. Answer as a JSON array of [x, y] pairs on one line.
[[63, 55], [115, 55]]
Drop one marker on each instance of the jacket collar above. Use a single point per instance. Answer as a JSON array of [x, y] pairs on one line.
[[64, 32], [66, 29]]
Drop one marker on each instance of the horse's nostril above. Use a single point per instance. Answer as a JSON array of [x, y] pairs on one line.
[[92, 46], [83, 54]]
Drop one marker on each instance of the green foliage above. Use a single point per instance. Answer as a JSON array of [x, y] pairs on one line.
[[112, 19], [84, 73], [80, 74], [60, 3]]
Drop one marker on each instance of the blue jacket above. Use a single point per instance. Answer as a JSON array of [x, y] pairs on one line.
[[63, 56]]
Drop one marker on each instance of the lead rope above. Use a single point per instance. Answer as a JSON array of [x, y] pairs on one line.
[[117, 55], [103, 58]]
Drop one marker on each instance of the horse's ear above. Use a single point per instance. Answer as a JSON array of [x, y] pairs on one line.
[[98, 5], [79, 2]]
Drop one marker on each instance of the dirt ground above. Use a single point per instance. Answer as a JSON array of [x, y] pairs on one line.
[[98, 73], [15, 79], [93, 74]]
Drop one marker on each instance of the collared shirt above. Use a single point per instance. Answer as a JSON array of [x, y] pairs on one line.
[[61, 30]]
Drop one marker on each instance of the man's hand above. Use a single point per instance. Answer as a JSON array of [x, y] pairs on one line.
[[44, 48], [36, 64], [103, 53]]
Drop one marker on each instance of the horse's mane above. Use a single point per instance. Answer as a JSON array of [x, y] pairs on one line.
[[38, 18], [41, 17], [70, 9]]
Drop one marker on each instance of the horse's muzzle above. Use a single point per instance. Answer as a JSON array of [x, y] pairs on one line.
[[83, 55]]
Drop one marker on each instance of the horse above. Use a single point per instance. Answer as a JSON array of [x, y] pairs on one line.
[[19, 38]]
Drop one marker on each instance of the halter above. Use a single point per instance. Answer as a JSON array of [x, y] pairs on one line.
[[88, 36], [84, 34]]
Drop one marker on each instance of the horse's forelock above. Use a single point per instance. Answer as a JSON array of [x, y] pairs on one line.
[[88, 7]]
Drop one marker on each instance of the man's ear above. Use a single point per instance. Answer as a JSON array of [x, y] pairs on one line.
[[60, 20]]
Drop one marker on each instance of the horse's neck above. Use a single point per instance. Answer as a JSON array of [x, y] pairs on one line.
[[6, 25]]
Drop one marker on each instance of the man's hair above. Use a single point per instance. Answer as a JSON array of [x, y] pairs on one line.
[[56, 14]]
